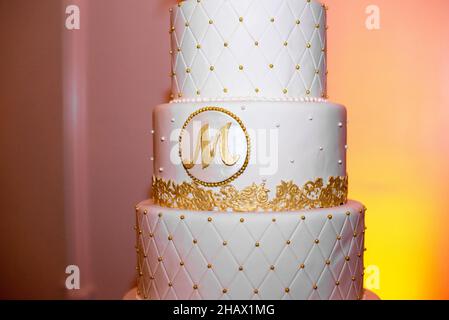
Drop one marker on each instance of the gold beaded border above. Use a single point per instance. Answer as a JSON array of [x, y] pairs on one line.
[[248, 147]]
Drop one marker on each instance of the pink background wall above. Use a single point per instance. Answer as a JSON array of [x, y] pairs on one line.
[[75, 123], [32, 241]]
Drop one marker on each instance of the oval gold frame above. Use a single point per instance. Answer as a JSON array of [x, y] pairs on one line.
[[248, 147]]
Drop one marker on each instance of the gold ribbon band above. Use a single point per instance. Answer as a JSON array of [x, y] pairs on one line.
[[289, 197]]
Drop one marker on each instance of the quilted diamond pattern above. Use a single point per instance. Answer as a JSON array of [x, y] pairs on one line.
[[248, 48], [316, 254]]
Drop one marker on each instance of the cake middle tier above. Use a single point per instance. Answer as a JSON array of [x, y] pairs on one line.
[[250, 156]]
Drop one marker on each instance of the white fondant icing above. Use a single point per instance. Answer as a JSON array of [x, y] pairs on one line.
[[215, 255], [271, 148], [234, 48]]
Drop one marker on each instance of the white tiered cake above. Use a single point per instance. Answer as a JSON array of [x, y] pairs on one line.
[[250, 184]]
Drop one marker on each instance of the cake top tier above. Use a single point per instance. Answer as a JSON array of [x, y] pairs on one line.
[[224, 49]]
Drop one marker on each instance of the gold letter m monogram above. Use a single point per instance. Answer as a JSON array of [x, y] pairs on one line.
[[208, 148]]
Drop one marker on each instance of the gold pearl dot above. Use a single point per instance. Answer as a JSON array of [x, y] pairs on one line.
[[272, 20], [170, 284], [187, 24], [225, 243], [309, 45], [272, 268], [298, 67], [337, 283], [315, 287], [209, 219], [355, 234], [329, 217], [338, 238], [285, 43], [151, 235], [198, 46], [347, 258], [303, 217], [225, 90], [307, 92], [317, 26], [289, 242], [273, 220], [211, 21], [198, 92], [256, 291], [181, 263], [302, 266], [195, 287], [257, 90], [241, 19], [256, 43], [212, 68], [182, 217], [209, 266], [170, 238], [353, 278], [271, 66], [242, 220], [348, 213], [226, 44], [285, 91], [195, 241], [287, 290], [257, 244], [240, 268], [328, 262], [240, 67], [317, 241], [160, 259], [225, 290], [298, 21], [188, 70]]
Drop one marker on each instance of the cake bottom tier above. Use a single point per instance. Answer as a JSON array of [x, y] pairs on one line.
[[187, 255]]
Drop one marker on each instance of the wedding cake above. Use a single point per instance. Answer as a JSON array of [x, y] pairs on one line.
[[250, 184]]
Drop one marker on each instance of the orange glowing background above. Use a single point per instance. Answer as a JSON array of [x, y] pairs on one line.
[[395, 84]]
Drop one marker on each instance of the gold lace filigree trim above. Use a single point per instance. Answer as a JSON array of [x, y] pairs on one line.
[[289, 196]]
